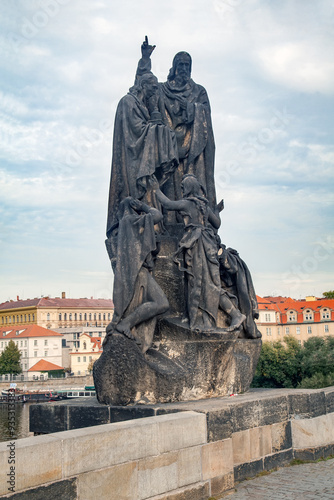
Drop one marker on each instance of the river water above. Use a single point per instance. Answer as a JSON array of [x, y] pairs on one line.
[[17, 421]]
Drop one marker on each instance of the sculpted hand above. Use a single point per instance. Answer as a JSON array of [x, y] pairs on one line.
[[153, 183], [136, 205], [146, 49]]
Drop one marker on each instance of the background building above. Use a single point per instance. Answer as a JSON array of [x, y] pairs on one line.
[[302, 319], [70, 317], [35, 344], [89, 351]]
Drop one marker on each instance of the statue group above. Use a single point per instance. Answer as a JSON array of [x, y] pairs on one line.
[[185, 306]]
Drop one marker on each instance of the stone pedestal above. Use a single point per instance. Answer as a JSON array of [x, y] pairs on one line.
[[182, 365]]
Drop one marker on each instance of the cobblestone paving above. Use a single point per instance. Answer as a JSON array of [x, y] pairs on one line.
[[300, 482]]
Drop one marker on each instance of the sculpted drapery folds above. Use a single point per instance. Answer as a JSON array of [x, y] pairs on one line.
[[185, 108], [142, 146]]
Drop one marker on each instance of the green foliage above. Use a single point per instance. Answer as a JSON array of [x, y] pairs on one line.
[[328, 295], [287, 364], [317, 381], [279, 364], [10, 359]]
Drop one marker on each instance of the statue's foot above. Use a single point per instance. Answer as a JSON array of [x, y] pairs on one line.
[[124, 328], [237, 320]]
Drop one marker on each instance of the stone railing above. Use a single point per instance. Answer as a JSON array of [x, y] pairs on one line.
[[187, 455]]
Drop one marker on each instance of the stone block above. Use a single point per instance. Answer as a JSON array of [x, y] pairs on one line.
[[197, 491], [222, 484], [66, 490], [45, 418], [103, 446], [254, 443], [219, 424], [37, 460], [119, 482], [89, 416], [298, 404], [272, 410], [329, 397], [317, 402], [217, 459], [245, 416], [157, 475], [121, 413], [247, 470], [265, 440], [189, 466], [281, 436], [241, 447], [313, 432], [277, 459], [181, 430]]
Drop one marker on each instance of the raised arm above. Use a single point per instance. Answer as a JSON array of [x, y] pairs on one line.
[[213, 219], [169, 204], [144, 64]]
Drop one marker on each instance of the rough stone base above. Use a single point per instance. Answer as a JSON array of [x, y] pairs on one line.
[[182, 365]]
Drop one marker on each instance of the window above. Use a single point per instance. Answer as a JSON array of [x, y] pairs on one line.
[[299, 342], [35, 342], [33, 317], [79, 359], [268, 331], [84, 346], [48, 317], [94, 316], [25, 366], [85, 316], [108, 316], [21, 343], [99, 316], [84, 359], [35, 354], [65, 316], [70, 317], [63, 342], [326, 329], [45, 353], [80, 317], [325, 314], [59, 317], [21, 318], [104, 316], [90, 316], [17, 319], [298, 330], [308, 315], [291, 316], [45, 342], [309, 329], [287, 330], [29, 318], [90, 358], [75, 316], [267, 317], [25, 343], [25, 354]]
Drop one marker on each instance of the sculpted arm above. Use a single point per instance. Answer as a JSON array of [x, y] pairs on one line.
[[213, 219]]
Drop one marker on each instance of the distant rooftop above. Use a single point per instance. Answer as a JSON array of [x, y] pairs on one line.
[[57, 302]]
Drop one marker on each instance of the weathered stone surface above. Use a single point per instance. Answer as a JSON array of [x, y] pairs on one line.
[[222, 484], [184, 365], [66, 490], [281, 436], [313, 432], [329, 397], [277, 459], [246, 470], [197, 491], [87, 416], [48, 418], [217, 459]]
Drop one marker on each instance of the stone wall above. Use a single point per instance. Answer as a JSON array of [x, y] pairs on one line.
[[55, 383], [187, 455]]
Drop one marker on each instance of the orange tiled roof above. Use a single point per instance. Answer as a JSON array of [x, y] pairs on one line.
[[9, 332], [44, 366], [57, 302]]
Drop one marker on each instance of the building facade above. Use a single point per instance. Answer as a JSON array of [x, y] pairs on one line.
[[35, 343], [302, 319], [89, 350], [57, 312]]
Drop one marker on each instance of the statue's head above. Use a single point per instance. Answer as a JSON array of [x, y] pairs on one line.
[[181, 69], [148, 84], [191, 186]]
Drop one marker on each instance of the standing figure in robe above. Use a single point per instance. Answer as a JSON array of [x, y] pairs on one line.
[[185, 108]]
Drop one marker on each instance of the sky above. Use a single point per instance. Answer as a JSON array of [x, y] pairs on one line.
[[268, 68]]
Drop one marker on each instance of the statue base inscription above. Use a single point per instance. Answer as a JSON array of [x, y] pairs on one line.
[[181, 365]]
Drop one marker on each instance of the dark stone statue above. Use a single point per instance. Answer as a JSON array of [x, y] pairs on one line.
[[185, 108], [185, 307]]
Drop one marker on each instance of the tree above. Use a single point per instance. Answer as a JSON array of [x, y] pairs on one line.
[[328, 295], [90, 366], [10, 359]]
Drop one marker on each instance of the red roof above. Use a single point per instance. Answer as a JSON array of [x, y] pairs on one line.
[[27, 331], [58, 302], [44, 366]]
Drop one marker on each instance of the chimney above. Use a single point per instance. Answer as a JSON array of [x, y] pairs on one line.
[[63, 295], [17, 297]]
